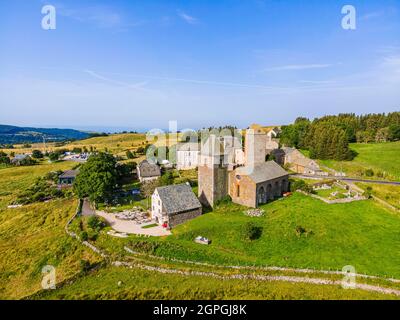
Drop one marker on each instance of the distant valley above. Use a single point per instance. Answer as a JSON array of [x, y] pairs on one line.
[[13, 134]]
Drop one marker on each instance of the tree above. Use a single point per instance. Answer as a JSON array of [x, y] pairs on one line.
[[167, 179], [382, 135], [54, 156], [147, 188], [37, 154], [97, 178], [130, 155], [394, 132], [4, 159], [251, 231]]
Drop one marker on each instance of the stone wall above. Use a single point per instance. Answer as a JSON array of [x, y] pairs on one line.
[[182, 217], [213, 184], [247, 190]]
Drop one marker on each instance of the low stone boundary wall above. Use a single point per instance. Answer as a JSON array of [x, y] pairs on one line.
[[345, 200]]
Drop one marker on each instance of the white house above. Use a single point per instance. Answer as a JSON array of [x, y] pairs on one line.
[[187, 156], [174, 204]]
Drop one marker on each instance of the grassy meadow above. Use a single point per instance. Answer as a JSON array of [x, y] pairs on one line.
[[388, 193], [382, 158], [362, 234], [33, 236], [123, 283]]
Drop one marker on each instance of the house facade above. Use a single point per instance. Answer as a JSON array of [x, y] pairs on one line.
[[174, 204], [67, 179], [187, 156], [299, 163]]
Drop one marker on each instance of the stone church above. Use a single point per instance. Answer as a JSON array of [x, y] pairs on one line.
[[254, 183]]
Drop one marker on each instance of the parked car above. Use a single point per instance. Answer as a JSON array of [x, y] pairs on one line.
[[202, 240]]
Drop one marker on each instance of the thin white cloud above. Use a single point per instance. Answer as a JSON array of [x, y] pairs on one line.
[[187, 18], [292, 67], [372, 15], [139, 86]]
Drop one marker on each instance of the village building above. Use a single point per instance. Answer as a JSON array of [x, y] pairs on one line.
[[174, 204], [272, 140], [67, 179], [147, 171], [19, 159], [299, 163], [187, 155], [254, 183]]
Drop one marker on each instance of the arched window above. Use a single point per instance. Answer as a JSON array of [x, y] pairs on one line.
[[238, 190]]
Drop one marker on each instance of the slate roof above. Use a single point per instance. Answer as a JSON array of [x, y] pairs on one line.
[[178, 198], [148, 169], [69, 174], [262, 172]]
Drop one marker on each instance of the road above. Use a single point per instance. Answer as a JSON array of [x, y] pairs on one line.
[[87, 209], [393, 183]]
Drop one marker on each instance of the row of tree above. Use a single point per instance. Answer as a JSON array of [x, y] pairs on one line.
[[329, 137]]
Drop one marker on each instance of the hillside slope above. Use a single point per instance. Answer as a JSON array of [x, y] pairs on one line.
[[13, 134]]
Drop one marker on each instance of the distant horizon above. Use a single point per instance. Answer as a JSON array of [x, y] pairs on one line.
[[118, 129]]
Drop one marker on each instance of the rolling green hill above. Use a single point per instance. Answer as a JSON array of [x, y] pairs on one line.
[[15, 135], [382, 158]]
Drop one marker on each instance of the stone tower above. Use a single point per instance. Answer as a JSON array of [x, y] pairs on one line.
[[255, 147], [212, 172]]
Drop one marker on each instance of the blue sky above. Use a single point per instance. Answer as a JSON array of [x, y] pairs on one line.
[[138, 64]]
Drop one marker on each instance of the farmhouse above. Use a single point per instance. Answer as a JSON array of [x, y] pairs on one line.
[[252, 184], [147, 171], [272, 139], [66, 179], [174, 204], [187, 156], [299, 163], [19, 159]]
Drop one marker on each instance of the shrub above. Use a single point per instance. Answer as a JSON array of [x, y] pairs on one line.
[[251, 231], [37, 154], [225, 200], [302, 231], [369, 173], [301, 185], [95, 223], [84, 236]]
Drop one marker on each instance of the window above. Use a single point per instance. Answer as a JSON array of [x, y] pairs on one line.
[[238, 191]]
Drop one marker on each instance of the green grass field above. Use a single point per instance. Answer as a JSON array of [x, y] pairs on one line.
[[362, 234], [388, 193], [380, 157], [33, 236], [123, 283]]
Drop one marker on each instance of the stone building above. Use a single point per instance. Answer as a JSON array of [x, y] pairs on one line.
[[187, 156], [212, 172], [174, 204], [147, 171], [252, 187], [67, 179], [251, 184], [272, 139], [299, 163]]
